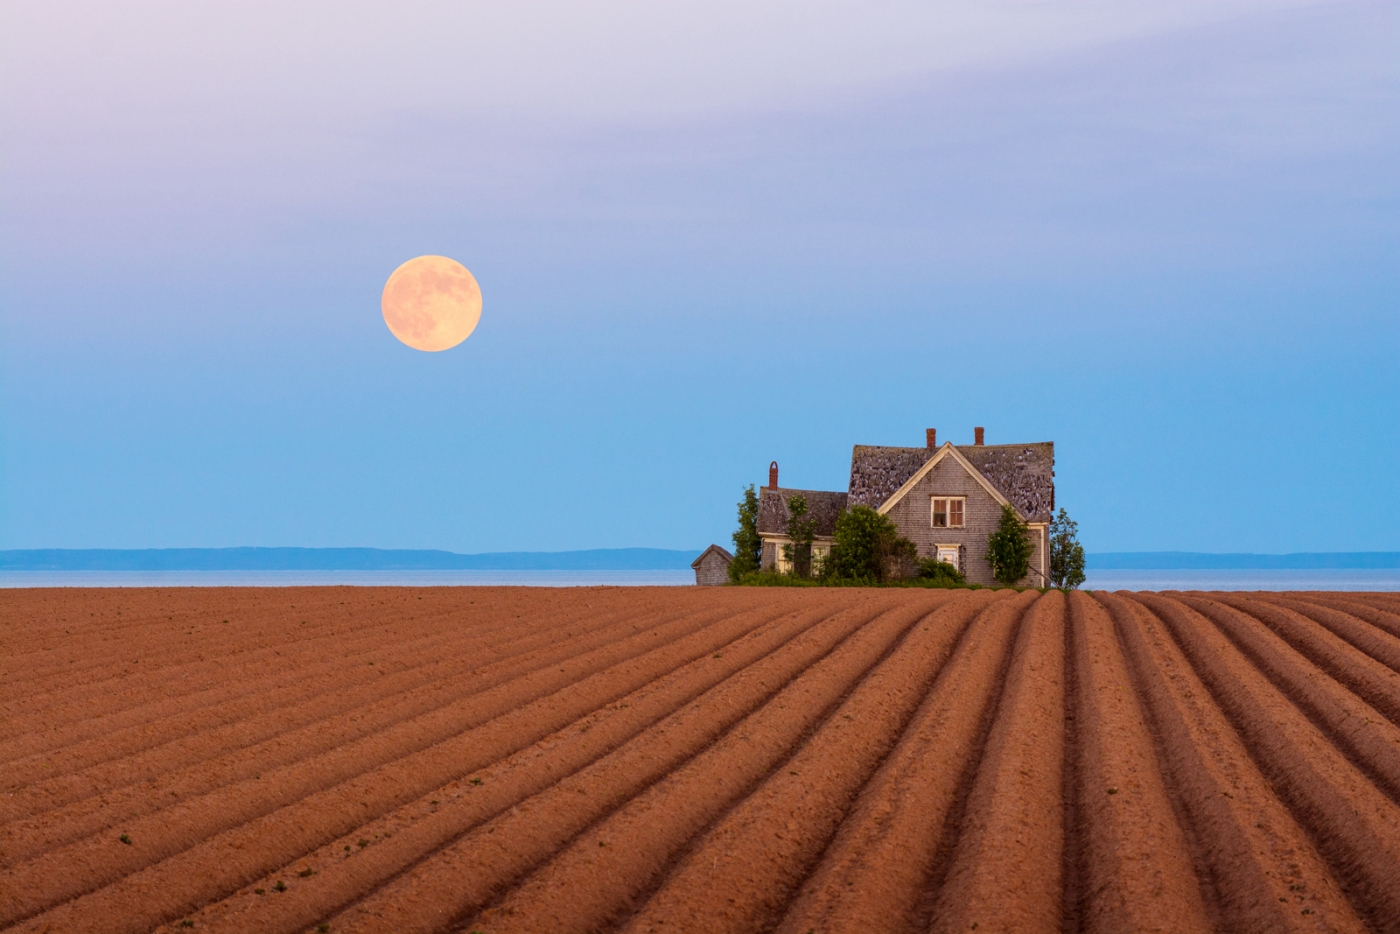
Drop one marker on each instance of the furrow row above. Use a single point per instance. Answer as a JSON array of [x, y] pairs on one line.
[[384, 692], [733, 760], [383, 768]]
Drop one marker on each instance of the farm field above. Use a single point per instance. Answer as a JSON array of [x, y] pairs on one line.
[[697, 760]]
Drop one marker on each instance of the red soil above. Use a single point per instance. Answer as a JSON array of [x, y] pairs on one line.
[[495, 759]]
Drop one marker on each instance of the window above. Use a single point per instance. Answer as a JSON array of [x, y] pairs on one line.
[[948, 512]]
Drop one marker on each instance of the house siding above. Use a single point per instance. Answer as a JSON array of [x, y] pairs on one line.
[[912, 515]]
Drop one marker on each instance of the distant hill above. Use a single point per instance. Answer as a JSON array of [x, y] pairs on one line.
[[340, 559], [1199, 561]]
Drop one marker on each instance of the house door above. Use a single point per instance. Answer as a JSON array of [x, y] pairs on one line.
[[949, 554]]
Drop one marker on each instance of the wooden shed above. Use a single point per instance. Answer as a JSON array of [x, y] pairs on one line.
[[712, 567]]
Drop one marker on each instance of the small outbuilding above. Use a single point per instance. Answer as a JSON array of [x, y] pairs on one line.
[[712, 567]]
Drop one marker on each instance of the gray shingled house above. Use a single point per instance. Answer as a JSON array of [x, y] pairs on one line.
[[946, 500]]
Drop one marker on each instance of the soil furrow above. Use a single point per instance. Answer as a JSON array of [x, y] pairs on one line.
[[1007, 867], [873, 875], [81, 813], [1249, 850], [1372, 681], [262, 689], [639, 813], [1138, 871], [168, 646], [761, 851], [342, 746], [152, 698], [1354, 628], [1370, 740], [301, 807], [1387, 623], [143, 698], [1354, 825], [296, 732], [744, 674]]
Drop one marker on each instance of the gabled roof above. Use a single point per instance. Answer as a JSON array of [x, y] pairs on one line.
[[944, 453], [824, 506], [722, 552], [1024, 474]]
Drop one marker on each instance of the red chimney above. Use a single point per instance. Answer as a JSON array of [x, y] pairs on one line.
[[977, 436], [931, 435], [773, 476]]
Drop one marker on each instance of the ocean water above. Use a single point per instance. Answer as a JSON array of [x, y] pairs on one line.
[[1328, 579], [1267, 579], [346, 578]]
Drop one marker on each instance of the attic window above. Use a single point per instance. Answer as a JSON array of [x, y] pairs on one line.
[[948, 512]]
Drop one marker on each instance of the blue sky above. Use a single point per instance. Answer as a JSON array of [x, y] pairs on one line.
[[1166, 237]]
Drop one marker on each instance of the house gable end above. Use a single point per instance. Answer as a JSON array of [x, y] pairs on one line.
[[946, 452]]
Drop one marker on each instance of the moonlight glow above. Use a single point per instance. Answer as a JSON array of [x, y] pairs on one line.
[[431, 303]]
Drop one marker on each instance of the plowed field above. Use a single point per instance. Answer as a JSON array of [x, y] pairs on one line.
[[704, 760]]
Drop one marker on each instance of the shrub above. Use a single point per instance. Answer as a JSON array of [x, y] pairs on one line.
[[868, 548], [1066, 554], [1009, 548], [940, 573], [748, 547]]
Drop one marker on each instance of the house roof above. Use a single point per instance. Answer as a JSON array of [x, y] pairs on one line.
[[722, 552], [823, 506], [1024, 473]]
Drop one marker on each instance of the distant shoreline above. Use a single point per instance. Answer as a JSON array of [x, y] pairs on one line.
[[598, 559], [341, 559]]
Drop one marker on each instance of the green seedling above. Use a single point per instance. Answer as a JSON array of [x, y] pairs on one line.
[[347, 848], [259, 891], [363, 843], [280, 886], [307, 873], [323, 928], [476, 781], [187, 923], [1113, 791], [125, 839]]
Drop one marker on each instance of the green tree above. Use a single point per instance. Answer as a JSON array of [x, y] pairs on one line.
[[1009, 548], [867, 547], [801, 530], [748, 547], [1066, 554]]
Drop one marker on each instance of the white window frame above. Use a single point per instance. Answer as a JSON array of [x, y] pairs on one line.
[[948, 511], [953, 551]]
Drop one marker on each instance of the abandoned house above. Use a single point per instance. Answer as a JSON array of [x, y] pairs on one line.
[[946, 500]]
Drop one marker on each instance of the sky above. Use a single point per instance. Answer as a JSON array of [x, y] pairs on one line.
[[1164, 236]]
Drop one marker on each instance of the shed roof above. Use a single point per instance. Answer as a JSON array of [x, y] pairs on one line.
[[722, 552], [1024, 473], [824, 506]]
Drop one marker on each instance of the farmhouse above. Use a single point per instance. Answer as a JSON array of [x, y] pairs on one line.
[[946, 500]]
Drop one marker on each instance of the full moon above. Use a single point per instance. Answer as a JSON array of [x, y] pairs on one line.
[[431, 303]]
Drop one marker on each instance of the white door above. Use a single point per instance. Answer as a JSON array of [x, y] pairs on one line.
[[949, 554]]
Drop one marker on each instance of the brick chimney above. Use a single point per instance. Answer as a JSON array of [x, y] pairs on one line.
[[977, 435], [773, 476], [931, 436]]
